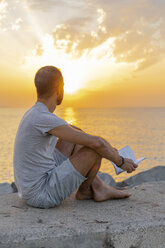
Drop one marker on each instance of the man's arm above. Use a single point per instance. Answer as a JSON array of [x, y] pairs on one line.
[[128, 166], [76, 127], [105, 149], [99, 137], [84, 132], [97, 143], [73, 135]]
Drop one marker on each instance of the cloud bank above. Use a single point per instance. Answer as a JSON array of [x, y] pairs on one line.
[[136, 26], [80, 27]]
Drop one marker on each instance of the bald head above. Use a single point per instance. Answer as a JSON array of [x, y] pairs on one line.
[[47, 80]]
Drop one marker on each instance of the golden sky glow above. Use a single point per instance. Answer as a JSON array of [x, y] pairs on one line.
[[111, 53]]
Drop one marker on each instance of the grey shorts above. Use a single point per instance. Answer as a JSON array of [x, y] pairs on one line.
[[60, 182]]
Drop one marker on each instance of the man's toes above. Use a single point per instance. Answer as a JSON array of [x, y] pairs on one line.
[[128, 195]]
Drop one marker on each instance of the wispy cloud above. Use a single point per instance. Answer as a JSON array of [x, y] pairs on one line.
[[3, 8], [42, 5], [3, 13], [16, 26]]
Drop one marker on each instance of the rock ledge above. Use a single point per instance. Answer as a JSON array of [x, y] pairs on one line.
[[138, 221]]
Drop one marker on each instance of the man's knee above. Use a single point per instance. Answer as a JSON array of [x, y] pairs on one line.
[[85, 159], [76, 148], [93, 152], [86, 153]]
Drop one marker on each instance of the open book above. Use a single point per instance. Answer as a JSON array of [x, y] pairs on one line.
[[126, 152]]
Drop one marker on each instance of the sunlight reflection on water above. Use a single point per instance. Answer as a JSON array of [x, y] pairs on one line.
[[69, 115]]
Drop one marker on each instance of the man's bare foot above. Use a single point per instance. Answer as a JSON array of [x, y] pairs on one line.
[[108, 192], [84, 195]]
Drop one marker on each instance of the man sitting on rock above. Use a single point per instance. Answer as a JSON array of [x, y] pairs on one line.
[[47, 171]]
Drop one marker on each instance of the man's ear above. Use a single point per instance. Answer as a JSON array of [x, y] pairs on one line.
[[57, 91]]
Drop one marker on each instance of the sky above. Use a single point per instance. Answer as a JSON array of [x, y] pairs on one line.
[[111, 53]]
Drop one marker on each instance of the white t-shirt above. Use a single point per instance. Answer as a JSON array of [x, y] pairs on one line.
[[34, 149]]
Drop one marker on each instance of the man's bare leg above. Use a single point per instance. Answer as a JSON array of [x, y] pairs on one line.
[[93, 187], [65, 147], [96, 184], [85, 190], [88, 162]]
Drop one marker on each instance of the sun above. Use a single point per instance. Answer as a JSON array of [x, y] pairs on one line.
[[73, 80], [70, 89]]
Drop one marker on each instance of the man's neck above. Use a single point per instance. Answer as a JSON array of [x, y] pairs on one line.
[[51, 105]]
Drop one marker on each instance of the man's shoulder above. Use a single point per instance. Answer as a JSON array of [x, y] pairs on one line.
[[41, 119], [29, 117], [29, 113]]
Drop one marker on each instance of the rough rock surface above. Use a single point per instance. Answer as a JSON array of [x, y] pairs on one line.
[[5, 188], [154, 174], [107, 178], [138, 221], [135, 222]]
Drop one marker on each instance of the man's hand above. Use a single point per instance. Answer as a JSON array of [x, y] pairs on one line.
[[129, 165]]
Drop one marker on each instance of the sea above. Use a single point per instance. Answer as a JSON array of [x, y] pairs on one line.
[[143, 129]]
